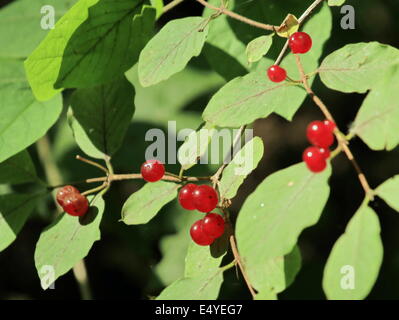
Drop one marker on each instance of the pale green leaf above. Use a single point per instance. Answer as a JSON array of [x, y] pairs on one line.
[[274, 215], [144, 204], [14, 211], [205, 287], [18, 169], [169, 51], [243, 163], [355, 260], [66, 241], [105, 113], [195, 146], [23, 120], [258, 47], [21, 25], [389, 192], [377, 120], [90, 45], [158, 5], [358, 67], [336, 2], [82, 139]]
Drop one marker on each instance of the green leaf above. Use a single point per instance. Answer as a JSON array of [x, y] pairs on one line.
[[90, 45], [66, 241], [82, 139], [169, 51], [223, 50], [14, 211], [144, 204], [195, 146], [336, 2], [23, 120], [355, 260], [105, 113], [378, 118], [389, 191], [203, 277], [18, 169], [245, 99], [243, 163], [158, 5], [20, 25], [174, 248], [273, 216], [358, 67], [205, 287], [258, 47]]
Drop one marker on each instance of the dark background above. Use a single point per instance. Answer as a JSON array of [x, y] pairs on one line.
[[121, 264]]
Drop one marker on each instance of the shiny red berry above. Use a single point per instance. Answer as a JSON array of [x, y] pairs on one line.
[[330, 125], [213, 225], [318, 135], [314, 159], [325, 152], [76, 204], [276, 73], [152, 170], [64, 192], [199, 236], [186, 196], [205, 198], [300, 42]]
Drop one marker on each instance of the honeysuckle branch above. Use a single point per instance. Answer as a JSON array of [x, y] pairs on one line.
[[301, 19], [342, 141], [236, 16], [171, 5], [93, 163]]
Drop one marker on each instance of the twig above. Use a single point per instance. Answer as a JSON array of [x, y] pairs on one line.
[[95, 164], [340, 137], [171, 5], [238, 17], [216, 177], [239, 262], [301, 19]]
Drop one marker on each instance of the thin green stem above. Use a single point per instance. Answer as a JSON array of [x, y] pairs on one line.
[[232, 264], [171, 5]]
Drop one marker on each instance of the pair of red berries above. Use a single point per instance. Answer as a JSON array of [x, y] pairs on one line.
[[205, 231], [203, 198], [72, 201], [320, 135], [299, 42]]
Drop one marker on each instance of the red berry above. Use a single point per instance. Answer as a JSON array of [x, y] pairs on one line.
[[63, 192], [76, 204], [205, 198], [300, 42], [318, 134], [325, 152], [330, 125], [276, 73], [213, 225], [199, 236], [152, 170], [314, 159], [186, 196]]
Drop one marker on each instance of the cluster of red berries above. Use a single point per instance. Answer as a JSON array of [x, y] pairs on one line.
[[203, 198], [72, 201], [299, 42], [321, 135]]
